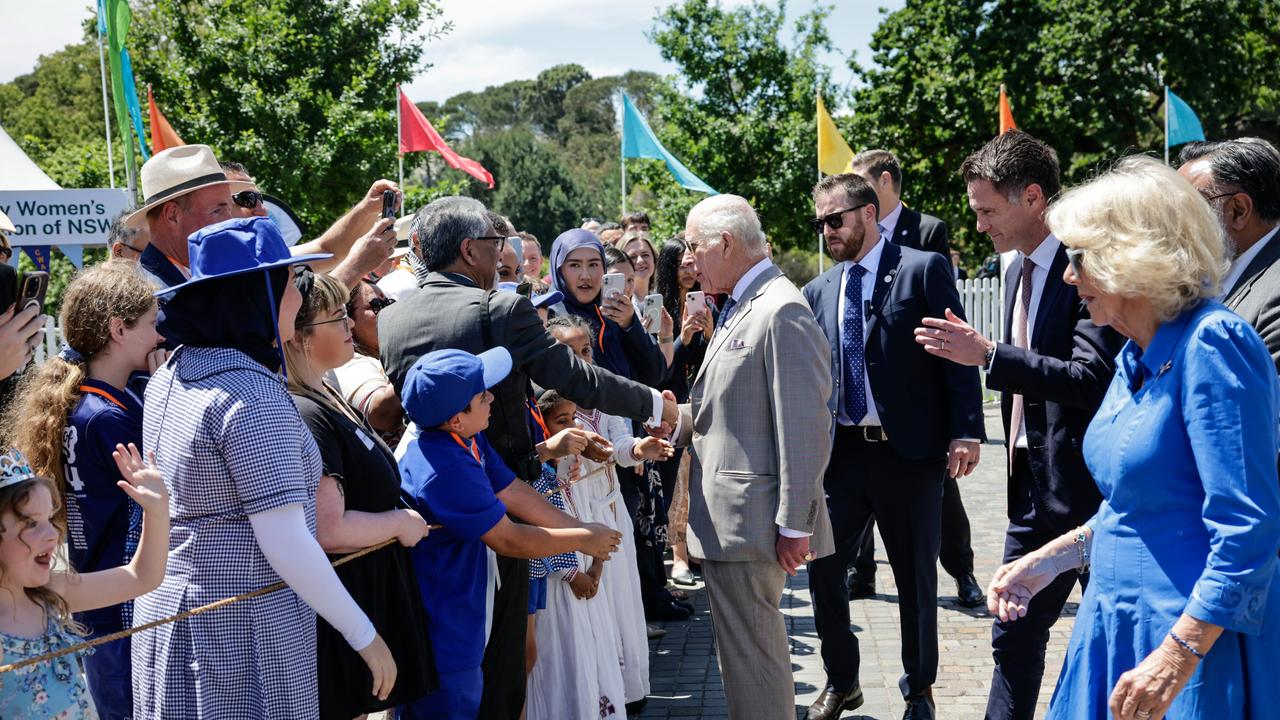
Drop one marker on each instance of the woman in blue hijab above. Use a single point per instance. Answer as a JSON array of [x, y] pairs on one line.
[[620, 344]]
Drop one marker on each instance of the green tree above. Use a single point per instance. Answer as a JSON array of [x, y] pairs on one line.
[[740, 113], [1082, 75], [301, 91]]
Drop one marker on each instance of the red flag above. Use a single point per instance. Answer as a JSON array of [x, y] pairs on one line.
[[162, 135], [1006, 114], [416, 134]]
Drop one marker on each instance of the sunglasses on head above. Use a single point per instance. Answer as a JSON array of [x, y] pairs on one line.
[[377, 304], [835, 220], [1073, 259], [247, 199]]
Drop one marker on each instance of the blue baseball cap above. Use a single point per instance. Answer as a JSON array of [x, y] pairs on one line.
[[547, 299], [442, 383]]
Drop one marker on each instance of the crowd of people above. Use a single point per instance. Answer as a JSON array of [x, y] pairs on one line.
[[501, 449]]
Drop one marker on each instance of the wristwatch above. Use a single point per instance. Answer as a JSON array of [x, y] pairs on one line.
[[991, 355]]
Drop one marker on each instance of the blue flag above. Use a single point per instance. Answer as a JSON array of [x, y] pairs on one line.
[[39, 255], [1184, 126], [638, 141]]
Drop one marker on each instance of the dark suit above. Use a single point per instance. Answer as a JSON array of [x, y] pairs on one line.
[[1256, 296], [923, 403], [8, 295], [926, 232], [449, 311], [922, 232], [1062, 377]]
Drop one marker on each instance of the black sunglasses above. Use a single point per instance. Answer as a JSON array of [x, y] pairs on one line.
[[247, 199], [377, 304], [1073, 259], [835, 220]]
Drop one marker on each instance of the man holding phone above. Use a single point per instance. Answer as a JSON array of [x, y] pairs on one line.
[[21, 328]]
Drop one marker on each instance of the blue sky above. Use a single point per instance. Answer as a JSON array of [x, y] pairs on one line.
[[492, 41]]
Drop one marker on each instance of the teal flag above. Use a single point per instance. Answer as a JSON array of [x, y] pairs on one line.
[[638, 141], [1184, 126]]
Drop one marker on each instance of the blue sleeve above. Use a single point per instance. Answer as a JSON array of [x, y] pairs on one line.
[[1229, 403], [500, 476], [459, 497]]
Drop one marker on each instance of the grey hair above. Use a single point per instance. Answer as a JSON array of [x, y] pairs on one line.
[[442, 225], [730, 214]]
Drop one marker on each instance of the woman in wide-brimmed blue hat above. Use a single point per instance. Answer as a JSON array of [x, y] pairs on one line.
[[242, 471]]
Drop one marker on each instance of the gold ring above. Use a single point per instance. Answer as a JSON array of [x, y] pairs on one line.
[[808, 557]]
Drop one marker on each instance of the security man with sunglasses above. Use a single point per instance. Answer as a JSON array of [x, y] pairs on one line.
[[905, 419]]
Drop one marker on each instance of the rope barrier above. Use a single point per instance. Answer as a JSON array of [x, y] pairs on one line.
[[275, 587], [593, 473]]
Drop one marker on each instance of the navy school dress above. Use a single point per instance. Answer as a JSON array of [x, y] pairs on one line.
[[103, 527]]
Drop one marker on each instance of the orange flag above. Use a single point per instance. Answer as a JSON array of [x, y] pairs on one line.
[[162, 135], [1006, 115]]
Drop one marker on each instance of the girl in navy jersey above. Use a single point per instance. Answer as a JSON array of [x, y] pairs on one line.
[[71, 413]]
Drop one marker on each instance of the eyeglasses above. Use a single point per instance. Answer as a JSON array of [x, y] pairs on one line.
[[835, 220], [498, 240], [1073, 259], [340, 319], [377, 304], [1219, 195], [247, 199]]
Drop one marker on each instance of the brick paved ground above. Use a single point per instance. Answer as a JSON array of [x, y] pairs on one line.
[[686, 680]]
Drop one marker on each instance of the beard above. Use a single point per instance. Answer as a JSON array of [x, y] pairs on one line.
[[850, 247]]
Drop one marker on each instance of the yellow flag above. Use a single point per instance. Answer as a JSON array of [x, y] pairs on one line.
[[834, 154]]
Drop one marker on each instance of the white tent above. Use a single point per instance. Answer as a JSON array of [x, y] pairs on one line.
[[18, 172]]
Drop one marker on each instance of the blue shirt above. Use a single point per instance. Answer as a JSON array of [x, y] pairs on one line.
[[444, 482], [103, 523]]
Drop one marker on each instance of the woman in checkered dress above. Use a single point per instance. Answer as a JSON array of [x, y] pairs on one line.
[[242, 471]]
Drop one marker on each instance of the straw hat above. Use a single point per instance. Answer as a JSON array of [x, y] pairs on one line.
[[178, 171]]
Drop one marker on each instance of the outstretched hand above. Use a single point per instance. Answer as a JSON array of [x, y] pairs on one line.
[[951, 338], [652, 448], [142, 481]]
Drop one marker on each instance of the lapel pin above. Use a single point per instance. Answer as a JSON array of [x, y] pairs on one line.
[[904, 232], [888, 278]]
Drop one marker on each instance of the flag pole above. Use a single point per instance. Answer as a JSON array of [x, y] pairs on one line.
[[622, 155], [106, 114], [818, 167], [1166, 124], [399, 154]]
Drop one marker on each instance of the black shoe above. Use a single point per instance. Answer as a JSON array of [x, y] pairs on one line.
[[634, 708], [920, 706], [687, 605], [667, 612], [832, 703], [968, 593]]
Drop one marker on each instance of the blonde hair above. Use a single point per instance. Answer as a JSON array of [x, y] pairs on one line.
[[46, 396], [326, 296], [1147, 233]]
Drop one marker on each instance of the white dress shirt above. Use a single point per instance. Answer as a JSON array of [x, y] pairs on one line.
[[1043, 257], [1241, 262], [889, 225], [872, 264]]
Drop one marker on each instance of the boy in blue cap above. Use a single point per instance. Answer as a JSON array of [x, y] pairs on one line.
[[454, 478]]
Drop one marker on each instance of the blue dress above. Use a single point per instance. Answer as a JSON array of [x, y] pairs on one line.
[[231, 444], [1184, 451], [51, 690]]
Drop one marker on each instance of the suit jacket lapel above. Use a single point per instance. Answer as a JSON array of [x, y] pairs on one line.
[[1012, 277], [907, 232], [719, 337], [886, 274], [1053, 285], [1265, 258]]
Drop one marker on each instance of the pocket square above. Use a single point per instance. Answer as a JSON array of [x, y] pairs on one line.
[[736, 344]]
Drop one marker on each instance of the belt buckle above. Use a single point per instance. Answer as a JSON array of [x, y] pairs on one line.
[[872, 433]]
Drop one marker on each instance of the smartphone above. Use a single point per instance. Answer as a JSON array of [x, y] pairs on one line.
[[653, 313], [614, 284], [389, 204], [695, 302], [34, 286]]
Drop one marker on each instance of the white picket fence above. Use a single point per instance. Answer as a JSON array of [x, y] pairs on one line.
[[983, 302]]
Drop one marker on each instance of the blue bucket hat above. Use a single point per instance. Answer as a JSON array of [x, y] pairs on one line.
[[442, 383], [235, 247]]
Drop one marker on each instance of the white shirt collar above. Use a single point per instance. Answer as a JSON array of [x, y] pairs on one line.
[[1044, 253], [890, 221], [749, 277], [1241, 262]]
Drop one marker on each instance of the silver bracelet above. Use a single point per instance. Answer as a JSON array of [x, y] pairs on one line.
[[1083, 548]]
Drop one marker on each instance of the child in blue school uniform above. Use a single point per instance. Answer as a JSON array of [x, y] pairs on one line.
[[453, 477], [72, 412]]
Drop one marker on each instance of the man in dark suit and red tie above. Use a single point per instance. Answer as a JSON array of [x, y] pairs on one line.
[[904, 420], [906, 227], [1052, 372]]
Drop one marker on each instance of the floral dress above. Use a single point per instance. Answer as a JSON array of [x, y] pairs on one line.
[[52, 689]]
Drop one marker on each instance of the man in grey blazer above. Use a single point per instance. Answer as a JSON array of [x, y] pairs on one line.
[[1241, 181], [761, 434]]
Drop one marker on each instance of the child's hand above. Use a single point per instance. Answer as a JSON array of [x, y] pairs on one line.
[[570, 441], [597, 569], [652, 448], [584, 586], [598, 449], [142, 481]]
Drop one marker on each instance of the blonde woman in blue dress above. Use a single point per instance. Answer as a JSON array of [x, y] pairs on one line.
[[1181, 618]]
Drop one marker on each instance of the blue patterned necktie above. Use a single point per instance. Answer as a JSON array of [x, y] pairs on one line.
[[725, 312], [852, 346]]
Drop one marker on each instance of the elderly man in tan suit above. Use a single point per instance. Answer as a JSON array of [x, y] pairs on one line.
[[761, 433]]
